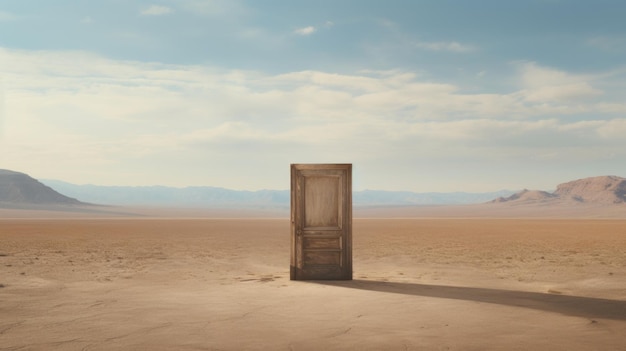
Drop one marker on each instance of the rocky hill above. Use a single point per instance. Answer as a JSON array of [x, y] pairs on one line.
[[604, 189], [527, 195], [20, 189], [594, 190]]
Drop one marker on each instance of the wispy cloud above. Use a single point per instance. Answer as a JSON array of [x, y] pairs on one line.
[[87, 20], [607, 43], [406, 39], [305, 30], [214, 7], [451, 46], [7, 16], [121, 115], [156, 10]]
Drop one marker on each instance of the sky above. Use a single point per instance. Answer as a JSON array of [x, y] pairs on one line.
[[419, 95]]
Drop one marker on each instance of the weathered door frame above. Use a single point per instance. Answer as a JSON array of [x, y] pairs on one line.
[[302, 235]]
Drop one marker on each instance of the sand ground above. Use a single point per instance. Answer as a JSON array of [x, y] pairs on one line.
[[223, 284]]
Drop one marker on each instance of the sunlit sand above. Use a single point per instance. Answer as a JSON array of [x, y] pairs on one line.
[[223, 284]]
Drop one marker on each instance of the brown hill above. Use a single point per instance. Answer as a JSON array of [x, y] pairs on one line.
[[601, 190], [20, 189], [527, 196]]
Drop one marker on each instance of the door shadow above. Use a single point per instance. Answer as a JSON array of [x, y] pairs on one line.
[[587, 307]]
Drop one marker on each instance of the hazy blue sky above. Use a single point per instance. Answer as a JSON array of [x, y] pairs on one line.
[[419, 95]]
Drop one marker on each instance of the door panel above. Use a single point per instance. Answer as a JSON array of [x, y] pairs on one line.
[[322, 201], [312, 242], [321, 221], [324, 257]]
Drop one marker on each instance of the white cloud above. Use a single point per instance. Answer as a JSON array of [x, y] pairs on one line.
[[87, 20], [614, 129], [611, 108], [542, 84], [305, 30], [93, 117], [561, 92], [533, 76], [156, 10], [451, 46]]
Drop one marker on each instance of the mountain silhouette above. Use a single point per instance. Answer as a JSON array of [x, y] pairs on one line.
[[20, 189]]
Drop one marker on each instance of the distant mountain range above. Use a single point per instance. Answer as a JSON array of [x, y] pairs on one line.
[[206, 196], [18, 190]]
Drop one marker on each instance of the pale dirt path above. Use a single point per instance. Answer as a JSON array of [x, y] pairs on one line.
[[224, 285]]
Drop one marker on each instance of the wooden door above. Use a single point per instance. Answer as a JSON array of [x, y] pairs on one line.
[[321, 221]]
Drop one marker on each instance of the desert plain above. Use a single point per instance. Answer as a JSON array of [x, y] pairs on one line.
[[205, 283]]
